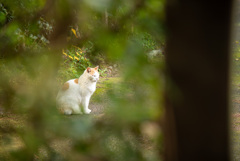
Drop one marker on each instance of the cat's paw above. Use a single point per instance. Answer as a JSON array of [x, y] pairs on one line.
[[87, 111]]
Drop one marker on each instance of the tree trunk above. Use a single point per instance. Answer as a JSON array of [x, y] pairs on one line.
[[196, 120]]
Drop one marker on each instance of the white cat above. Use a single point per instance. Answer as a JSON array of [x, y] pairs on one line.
[[75, 94]]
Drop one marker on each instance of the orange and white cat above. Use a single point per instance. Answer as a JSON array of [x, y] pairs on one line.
[[75, 94]]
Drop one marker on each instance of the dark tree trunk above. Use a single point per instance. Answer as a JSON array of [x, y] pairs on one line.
[[196, 120]]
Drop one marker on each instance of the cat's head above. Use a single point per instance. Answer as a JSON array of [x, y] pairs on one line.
[[93, 74]]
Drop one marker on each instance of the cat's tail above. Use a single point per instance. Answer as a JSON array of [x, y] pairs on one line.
[[66, 111]]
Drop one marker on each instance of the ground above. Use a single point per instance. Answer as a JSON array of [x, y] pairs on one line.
[[99, 99], [10, 141]]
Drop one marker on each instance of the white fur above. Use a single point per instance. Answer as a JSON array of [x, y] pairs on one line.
[[75, 99]]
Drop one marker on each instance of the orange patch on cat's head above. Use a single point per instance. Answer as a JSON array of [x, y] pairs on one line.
[[76, 81], [91, 71], [65, 86]]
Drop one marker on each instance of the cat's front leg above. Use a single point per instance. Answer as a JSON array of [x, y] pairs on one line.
[[85, 104], [87, 111]]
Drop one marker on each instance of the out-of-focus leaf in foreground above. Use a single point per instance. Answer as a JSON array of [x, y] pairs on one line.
[[45, 43]]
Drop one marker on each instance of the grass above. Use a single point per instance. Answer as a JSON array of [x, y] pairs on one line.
[[103, 86]]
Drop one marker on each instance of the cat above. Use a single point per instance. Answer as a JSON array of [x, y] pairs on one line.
[[75, 94]]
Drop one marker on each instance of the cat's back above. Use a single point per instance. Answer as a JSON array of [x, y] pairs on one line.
[[68, 95], [71, 87]]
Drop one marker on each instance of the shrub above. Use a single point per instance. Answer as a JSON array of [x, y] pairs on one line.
[[74, 63]]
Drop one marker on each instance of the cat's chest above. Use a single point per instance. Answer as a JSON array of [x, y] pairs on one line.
[[87, 88]]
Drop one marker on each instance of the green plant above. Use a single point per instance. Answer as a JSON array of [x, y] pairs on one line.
[[145, 40], [74, 63], [102, 72]]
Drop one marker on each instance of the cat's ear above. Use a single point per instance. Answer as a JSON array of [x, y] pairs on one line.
[[96, 68], [88, 69]]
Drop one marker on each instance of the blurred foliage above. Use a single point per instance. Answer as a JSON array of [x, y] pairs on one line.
[[46, 42]]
